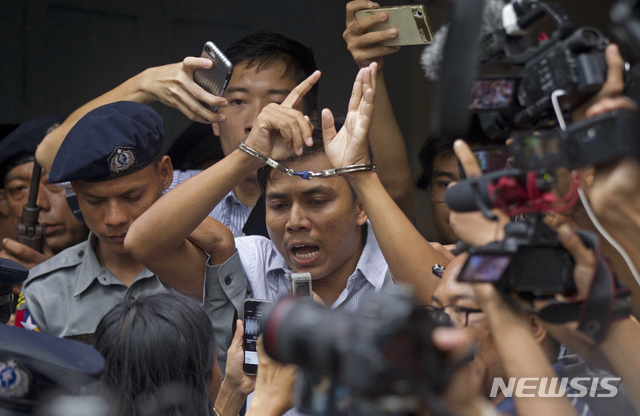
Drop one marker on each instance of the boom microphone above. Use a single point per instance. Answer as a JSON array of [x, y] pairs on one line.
[[462, 197], [465, 195]]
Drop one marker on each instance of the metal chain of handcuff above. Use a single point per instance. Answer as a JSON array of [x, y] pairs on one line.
[[305, 174]]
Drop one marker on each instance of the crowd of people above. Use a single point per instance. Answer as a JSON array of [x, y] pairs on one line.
[[151, 265]]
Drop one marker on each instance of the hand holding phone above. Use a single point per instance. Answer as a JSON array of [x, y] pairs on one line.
[[252, 317], [215, 79], [411, 22]]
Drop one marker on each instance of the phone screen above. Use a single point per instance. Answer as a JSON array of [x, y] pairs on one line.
[[491, 159], [540, 150], [302, 288], [484, 268], [252, 316], [492, 94]]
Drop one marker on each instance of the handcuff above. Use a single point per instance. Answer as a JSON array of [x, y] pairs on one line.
[[305, 174]]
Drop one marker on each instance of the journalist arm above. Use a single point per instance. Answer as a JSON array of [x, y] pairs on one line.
[[385, 136], [172, 85]]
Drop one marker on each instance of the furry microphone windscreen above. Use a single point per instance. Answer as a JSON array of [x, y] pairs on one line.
[[432, 54]]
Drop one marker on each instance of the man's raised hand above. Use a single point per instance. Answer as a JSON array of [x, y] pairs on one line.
[[173, 85], [365, 47], [350, 146], [280, 130]]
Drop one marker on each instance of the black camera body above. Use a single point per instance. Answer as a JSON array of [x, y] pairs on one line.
[[602, 138], [569, 60], [591, 141], [383, 349], [529, 260]]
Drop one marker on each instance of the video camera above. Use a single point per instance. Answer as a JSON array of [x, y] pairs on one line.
[[524, 75], [383, 350], [553, 77], [557, 75]]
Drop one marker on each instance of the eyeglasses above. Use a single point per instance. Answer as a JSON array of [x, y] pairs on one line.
[[437, 190], [458, 316]]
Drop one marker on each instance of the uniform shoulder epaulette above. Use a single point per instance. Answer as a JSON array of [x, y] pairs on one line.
[[70, 257]]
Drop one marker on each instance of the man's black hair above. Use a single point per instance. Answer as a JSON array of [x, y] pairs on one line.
[[265, 47], [443, 146], [434, 146]]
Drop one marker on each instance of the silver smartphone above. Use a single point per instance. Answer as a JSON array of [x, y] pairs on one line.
[[301, 285], [411, 21], [215, 79]]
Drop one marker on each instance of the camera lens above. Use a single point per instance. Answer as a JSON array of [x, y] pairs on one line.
[[418, 14]]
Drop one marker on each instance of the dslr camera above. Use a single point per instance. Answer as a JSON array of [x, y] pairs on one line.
[[382, 350], [530, 261]]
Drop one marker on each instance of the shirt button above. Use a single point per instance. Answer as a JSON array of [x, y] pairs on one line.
[[80, 253], [227, 280]]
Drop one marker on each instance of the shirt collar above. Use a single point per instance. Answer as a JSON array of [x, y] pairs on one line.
[[90, 268], [231, 198], [371, 264]]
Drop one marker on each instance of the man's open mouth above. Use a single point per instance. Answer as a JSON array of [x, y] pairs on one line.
[[305, 252]]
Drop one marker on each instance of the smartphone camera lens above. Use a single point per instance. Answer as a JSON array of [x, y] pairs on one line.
[[417, 13]]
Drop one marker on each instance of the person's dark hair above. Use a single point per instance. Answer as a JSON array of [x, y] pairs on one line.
[[434, 146], [264, 47], [153, 344], [264, 173]]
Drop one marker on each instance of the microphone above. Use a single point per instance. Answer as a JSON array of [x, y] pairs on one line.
[[463, 196], [432, 54]]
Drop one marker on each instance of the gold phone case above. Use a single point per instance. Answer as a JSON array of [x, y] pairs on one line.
[[411, 21]]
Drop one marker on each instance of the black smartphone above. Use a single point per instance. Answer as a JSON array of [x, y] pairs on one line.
[[252, 316], [216, 78]]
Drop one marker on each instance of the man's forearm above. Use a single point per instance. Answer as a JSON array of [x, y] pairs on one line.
[[522, 357], [390, 152], [409, 256], [170, 221], [130, 90]]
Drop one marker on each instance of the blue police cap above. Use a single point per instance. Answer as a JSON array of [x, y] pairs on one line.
[[110, 141], [20, 145], [34, 363]]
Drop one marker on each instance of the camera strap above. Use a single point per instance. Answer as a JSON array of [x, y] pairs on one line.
[[607, 299]]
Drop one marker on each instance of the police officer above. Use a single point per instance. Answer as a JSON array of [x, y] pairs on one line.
[[17, 155], [33, 367], [112, 159]]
